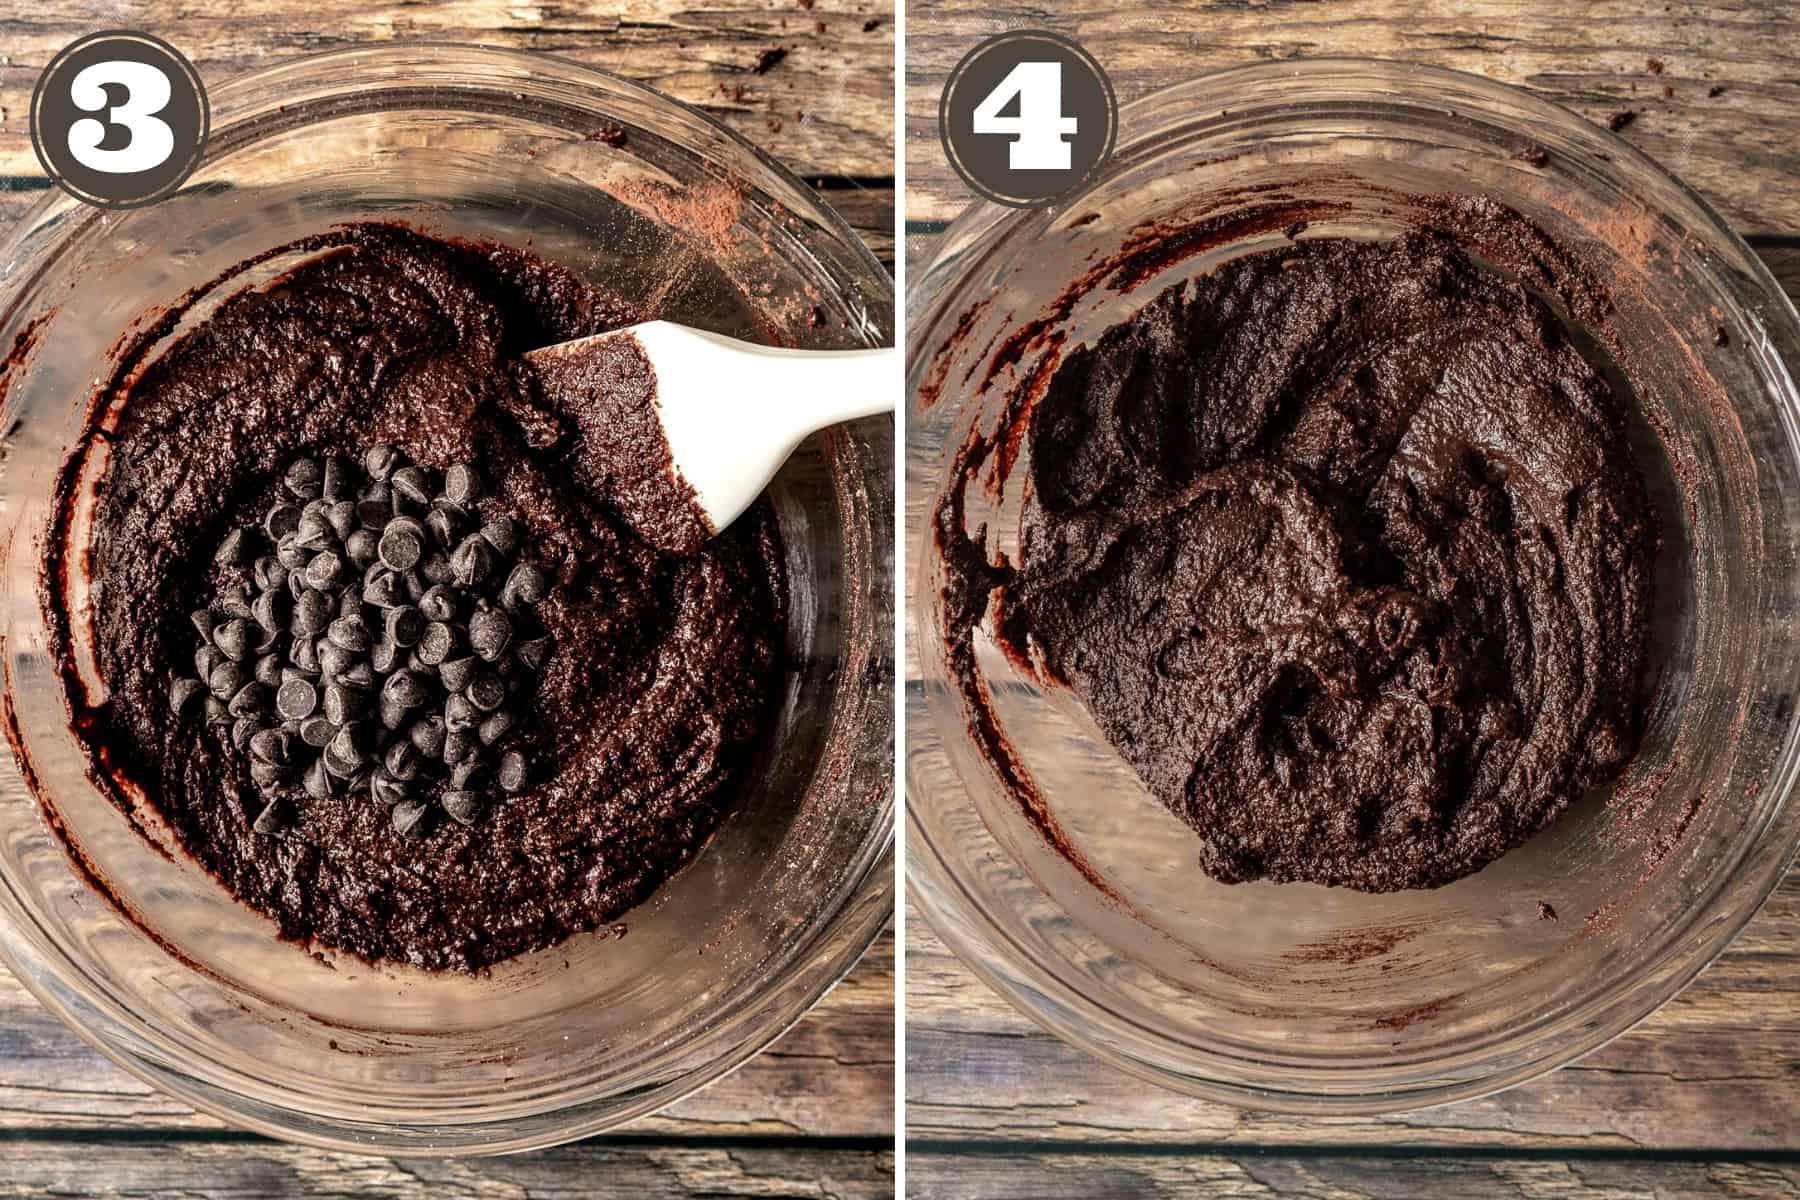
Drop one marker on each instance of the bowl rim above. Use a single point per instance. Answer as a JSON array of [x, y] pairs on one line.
[[983, 943], [811, 967]]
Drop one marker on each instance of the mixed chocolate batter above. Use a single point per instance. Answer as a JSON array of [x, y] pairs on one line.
[[657, 681], [1345, 549]]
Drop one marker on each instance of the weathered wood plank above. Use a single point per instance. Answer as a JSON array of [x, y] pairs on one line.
[[832, 1075], [1736, 147], [867, 210], [1718, 1068], [148, 1169], [826, 107], [1258, 1176]]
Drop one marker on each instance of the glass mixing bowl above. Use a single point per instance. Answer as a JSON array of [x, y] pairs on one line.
[[192, 992], [1325, 1000]]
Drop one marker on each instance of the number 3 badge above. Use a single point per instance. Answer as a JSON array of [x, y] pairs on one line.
[[119, 119], [1026, 117]]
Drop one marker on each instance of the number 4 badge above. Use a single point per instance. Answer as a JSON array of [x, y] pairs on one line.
[[1027, 117], [1037, 126]]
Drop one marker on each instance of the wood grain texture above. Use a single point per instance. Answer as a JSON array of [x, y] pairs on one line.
[[182, 1168], [826, 108], [1262, 1176], [1736, 147]]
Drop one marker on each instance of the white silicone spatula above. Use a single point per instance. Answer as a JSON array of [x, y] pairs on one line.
[[731, 411]]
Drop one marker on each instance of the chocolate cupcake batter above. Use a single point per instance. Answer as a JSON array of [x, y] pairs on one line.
[[645, 718], [1345, 549]]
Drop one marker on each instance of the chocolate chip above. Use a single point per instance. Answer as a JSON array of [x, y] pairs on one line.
[[393, 713], [266, 775], [438, 603], [486, 693], [182, 693], [206, 660], [406, 688], [273, 746], [231, 551], [248, 701], [461, 484], [304, 653], [383, 590], [463, 773], [490, 633], [324, 569], [465, 808], [282, 522], [496, 726], [380, 461], [526, 585], [343, 704], [343, 757], [315, 532], [409, 818], [405, 625], [304, 478], [269, 573], [502, 533], [373, 514], [384, 656], [415, 585], [413, 484], [334, 659], [473, 561], [296, 699], [362, 547], [317, 731], [225, 679], [442, 524], [204, 622], [458, 746], [234, 603], [268, 671], [460, 714], [385, 789], [358, 675], [242, 730], [427, 736], [457, 673], [272, 610], [436, 643], [342, 517], [336, 482], [511, 774], [216, 712], [401, 760], [436, 568], [319, 783], [402, 544], [534, 652], [290, 553], [233, 639], [352, 633]]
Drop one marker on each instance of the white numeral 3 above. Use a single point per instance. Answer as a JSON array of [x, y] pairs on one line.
[[147, 93]]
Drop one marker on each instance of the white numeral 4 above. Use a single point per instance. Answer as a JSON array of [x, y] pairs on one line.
[[1040, 127]]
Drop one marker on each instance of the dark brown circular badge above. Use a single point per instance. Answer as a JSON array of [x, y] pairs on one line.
[[1026, 117], [119, 119]]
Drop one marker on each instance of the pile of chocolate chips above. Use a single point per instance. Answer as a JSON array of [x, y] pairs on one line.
[[384, 631]]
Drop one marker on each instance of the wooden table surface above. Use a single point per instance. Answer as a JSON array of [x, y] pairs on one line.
[[1703, 1099], [814, 1115]]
